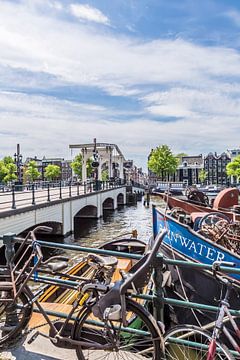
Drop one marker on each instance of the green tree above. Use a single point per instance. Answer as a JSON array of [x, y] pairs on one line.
[[105, 175], [8, 160], [76, 165], [11, 173], [52, 172], [162, 162], [233, 168], [202, 175], [32, 171], [3, 170]]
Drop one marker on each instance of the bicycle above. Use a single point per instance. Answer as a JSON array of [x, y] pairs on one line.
[[103, 317], [192, 342]]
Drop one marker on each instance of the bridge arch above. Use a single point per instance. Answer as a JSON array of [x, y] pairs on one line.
[[108, 204], [88, 211], [120, 199]]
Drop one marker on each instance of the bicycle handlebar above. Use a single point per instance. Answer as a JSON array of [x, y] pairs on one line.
[[43, 228]]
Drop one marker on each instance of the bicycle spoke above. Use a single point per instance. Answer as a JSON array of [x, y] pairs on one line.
[[137, 341]]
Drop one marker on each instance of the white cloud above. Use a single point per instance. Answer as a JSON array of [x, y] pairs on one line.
[[86, 12], [196, 81], [46, 126]]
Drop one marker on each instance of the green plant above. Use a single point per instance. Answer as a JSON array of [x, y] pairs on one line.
[[202, 175], [162, 162], [32, 171], [52, 172], [76, 165], [233, 168]]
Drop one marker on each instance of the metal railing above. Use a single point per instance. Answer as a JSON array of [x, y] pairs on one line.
[[19, 196], [156, 295]]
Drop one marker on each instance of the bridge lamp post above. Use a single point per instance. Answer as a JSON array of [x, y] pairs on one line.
[[18, 162]]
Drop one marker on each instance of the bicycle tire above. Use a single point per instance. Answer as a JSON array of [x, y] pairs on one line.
[[131, 346], [193, 335], [14, 317]]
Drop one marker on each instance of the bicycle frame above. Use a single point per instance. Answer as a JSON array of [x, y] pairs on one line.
[[220, 328]]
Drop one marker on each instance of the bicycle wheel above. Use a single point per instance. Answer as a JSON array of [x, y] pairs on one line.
[[14, 317], [140, 340], [191, 342]]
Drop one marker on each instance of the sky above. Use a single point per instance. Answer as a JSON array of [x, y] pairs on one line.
[[137, 73]]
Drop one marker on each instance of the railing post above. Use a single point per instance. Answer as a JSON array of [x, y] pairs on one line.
[[158, 291], [13, 197], [48, 192], [60, 190], [85, 187], [70, 189], [91, 186], [78, 188], [33, 194]]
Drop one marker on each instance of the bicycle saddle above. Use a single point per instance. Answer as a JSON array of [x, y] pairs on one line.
[[102, 260]]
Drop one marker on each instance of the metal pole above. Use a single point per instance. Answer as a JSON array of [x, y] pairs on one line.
[[60, 190], [70, 190], [48, 192], [78, 188], [158, 291], [13, 197], [33, 194], [85, 187]]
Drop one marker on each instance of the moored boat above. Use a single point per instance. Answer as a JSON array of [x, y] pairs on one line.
[[184, 243], [225, 202]]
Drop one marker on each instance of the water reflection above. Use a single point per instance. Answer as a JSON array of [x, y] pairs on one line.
[[92, 233]]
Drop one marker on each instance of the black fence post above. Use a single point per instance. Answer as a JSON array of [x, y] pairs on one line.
[[78, 188], [158, 290], [85, 187], [13, 197], [48, 192], [33, 195], [60, 189], [70, 189]]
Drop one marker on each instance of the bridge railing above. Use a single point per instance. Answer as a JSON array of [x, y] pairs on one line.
[[19, 196]]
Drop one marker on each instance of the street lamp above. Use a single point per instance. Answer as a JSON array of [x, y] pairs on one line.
[[18, 162]]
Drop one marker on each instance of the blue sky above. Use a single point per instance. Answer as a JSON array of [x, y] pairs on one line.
[[138, 73]]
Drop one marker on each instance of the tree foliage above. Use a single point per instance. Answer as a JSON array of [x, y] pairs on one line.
[[7, 169], [52, 172], [105, 175], [3, 171], [11, 173], [233, 168], [202, 175], [76, 165], [162, 162], [32, 171]]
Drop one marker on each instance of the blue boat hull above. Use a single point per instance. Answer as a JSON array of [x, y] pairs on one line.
[[183, 240], [182, 243]]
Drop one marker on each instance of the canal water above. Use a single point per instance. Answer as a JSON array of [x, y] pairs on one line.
[[93, 233]]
